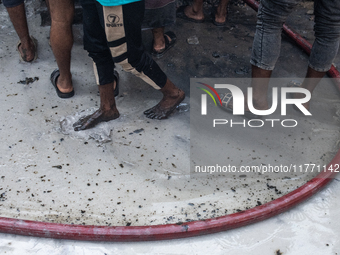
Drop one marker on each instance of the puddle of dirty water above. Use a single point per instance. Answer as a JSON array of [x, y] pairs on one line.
[[100, 134]]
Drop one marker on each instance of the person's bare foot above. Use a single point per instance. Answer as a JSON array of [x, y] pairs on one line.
[[194, 14], [106, 112], [172, 97], [27, 49], [221, 15], [163, 42], [159, 45], [92, 120]]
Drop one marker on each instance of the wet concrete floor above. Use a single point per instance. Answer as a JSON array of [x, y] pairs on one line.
[[135, 171]]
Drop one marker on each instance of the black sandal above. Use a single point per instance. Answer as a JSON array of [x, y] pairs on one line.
[[168, 44], [116, 77], [213, 17], [54, 77]]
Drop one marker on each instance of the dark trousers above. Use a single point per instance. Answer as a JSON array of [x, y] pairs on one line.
[[113, 35]]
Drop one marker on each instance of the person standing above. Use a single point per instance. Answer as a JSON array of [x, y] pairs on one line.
[[158, 15], [194, 12], [27, 45], [112, 34], [61, 40]]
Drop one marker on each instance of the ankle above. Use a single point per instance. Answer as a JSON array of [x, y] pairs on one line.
[[107, 107], [108, 104], [64, 81], [159, 45], [26, 41], [195, 11], [221, 14], [261, 104], [172, 94]]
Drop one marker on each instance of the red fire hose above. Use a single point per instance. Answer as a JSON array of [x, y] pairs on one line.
[[180, 230], [171, 231]]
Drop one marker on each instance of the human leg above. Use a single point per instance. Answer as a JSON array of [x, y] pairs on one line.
[[266, 46], [162, 42], [172, 97], [158, 38], [17, 14], [192, 12], [259, 83], [221, 12], [327, 34], [106, 112], [326, 44], [125, 47], [127, 50], [95, 43], [158, 15], [61, 38], [310, 82]]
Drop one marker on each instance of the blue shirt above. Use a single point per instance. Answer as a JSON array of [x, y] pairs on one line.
[[115, 2]]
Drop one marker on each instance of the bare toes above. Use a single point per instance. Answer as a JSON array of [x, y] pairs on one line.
[[80, 121], [148, 111], [160, 117]]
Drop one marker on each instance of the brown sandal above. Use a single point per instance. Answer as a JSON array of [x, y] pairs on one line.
[[35, 43]]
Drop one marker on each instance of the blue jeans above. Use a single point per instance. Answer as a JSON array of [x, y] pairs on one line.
[[12, 3], [267, 41]]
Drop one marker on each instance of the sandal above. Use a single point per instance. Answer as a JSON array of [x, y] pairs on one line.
[[213, 17], [168, 44], [35, 43], [116, 77], [54, 77]]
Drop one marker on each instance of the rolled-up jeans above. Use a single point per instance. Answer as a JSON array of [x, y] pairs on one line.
[[267, 41], [12, 3]]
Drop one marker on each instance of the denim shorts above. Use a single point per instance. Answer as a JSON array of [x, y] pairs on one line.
[[12, 3], [267, 41]]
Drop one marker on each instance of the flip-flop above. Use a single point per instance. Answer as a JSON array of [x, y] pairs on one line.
[[35, 43], [116, 77], [227, 99], [54, 77], [181, 14], [168, 44], [213, 17]]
